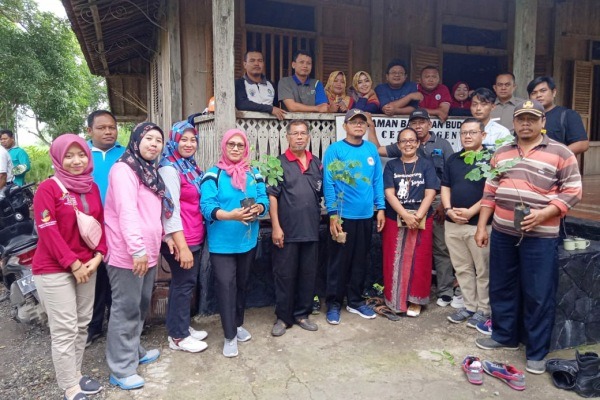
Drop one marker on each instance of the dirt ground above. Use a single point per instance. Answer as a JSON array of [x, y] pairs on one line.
[[358, 359]]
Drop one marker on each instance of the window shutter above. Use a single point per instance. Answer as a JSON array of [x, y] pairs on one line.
[[335, 55], [583, 78], [239, 49], [420, 57]]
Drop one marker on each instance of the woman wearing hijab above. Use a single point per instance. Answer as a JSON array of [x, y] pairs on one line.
[[228, 189], [339, 101], [461, 103], [182, 178], [133, 234], [363, 94], [64, 267]]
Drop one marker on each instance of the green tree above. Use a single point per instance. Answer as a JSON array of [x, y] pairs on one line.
[[43, 70]]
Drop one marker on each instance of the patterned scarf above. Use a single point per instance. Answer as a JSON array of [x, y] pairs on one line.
[[171, 157], [146, 170]]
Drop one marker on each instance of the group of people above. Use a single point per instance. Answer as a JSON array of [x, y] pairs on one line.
[[150, 199]]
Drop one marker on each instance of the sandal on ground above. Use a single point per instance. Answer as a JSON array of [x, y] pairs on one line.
[[375, 302], [414, 310], [386, 312]]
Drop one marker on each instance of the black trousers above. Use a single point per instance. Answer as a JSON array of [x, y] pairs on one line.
[[294, 272], [348, 262], [102, 301], [181, 289], [231, 277]]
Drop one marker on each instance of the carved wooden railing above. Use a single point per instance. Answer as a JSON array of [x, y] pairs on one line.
[[266, 134]]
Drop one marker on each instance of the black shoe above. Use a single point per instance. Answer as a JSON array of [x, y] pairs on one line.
[[92, 337], [563, 372], [279, 328], [588, 377], [89, 385], [307, 324], [316, 307]]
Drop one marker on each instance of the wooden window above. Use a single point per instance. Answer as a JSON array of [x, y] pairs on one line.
[[583, 78], [335, 55], [420, 57]]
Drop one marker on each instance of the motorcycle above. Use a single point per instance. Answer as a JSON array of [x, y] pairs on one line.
[[18, 241]]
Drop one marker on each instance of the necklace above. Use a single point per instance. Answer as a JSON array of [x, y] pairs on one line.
[[408, 179]]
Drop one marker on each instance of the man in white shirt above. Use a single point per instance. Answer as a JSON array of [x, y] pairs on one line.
[[482, 103], [6, 168]]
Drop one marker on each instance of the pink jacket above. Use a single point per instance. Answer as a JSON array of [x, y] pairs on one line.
[[132, 216]]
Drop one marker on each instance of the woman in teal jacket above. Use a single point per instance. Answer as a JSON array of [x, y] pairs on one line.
[[233, 196]]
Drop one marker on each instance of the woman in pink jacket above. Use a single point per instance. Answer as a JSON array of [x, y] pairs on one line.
[[133, 232]]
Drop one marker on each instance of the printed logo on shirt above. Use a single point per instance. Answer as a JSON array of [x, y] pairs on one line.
[[270, 92], [319, 184], [45, 216], [370, 161], [438, 96], [68, 199], [252, 93]]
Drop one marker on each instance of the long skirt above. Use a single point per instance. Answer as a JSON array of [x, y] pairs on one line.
[[407, 263]]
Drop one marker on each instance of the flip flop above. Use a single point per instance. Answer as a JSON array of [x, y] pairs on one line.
[[386, 312]]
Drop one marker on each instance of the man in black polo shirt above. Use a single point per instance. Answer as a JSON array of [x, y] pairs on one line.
[[253, 92], [295, 213], [461, 199]]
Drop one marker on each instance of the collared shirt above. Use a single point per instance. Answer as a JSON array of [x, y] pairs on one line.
[[309, 93], [503, 112], [432, 100], [547, 175], [254, 96], [103, 162], [299, 197], [21, 164], [387, 94], [494, 132]]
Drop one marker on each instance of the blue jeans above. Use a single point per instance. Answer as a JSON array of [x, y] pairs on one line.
[[523, 282]]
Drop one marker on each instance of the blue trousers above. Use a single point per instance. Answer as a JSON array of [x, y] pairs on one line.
[[523, 282]]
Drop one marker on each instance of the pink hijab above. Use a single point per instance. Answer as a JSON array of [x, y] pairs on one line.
[[238, 170], [76, 183]]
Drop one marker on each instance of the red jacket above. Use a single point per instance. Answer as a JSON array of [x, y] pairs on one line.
[[59, 242]]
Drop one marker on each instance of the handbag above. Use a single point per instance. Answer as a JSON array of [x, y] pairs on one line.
[[89, 227], [402, 223]]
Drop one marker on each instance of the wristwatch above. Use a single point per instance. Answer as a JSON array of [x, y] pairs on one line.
[[446, 210]]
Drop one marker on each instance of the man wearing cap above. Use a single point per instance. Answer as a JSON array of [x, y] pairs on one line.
[[354, 209], [253, 92], [437, 150], [524, 260], [505, 101], [299, 92], [562, 124], [295, 209]]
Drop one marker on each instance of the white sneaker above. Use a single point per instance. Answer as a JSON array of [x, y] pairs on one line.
[[243, 335], [188, 344], [198, 335], [457, 302], [230, 348]]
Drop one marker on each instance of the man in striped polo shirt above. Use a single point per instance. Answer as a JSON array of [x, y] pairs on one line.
[[524, 262]]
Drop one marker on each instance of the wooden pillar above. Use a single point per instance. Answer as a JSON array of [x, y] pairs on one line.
[[524, 44], [377, 18], [224, 65], [557, 51], [174, 39]]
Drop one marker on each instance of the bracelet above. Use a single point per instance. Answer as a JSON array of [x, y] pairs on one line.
[[78, 268], [447, 209]]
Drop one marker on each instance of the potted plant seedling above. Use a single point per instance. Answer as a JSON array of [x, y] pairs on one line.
[[341, 171], [270, 168], [484, 170]]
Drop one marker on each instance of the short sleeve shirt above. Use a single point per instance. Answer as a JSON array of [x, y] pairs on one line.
[[6, 165], [571, 130], [432, 100], [437, 150], [387, 94], [409, 181], [309, 93]]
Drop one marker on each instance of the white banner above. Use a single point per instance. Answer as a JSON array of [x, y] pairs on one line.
[[388, 128]]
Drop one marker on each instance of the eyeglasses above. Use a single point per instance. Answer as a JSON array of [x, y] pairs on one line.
[[295, 134], [407, 141], [355, 122], [469, 133], [233, 145]]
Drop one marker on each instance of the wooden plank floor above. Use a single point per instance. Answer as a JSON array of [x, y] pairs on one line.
[[589, 206]]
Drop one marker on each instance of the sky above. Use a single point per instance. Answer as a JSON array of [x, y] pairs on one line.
[[53, 6]]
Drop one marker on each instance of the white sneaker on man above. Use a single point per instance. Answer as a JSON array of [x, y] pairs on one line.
[[198, 335], [188, 344], [457, 302]]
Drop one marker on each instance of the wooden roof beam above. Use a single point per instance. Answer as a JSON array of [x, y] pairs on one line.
[[98, 28]]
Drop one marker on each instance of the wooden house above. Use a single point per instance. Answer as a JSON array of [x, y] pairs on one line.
[[163, 59]]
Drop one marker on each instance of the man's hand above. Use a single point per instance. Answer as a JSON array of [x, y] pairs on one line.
[[380, 220], [140, 265], [388, 110], [481, 237], [278, 113], [459, 215], [335, 228], [537, 217], [418, 96], [277, 236]]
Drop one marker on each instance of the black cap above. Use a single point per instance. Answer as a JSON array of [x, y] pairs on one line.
[[419, 113], [350, 114], [532, 107]]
